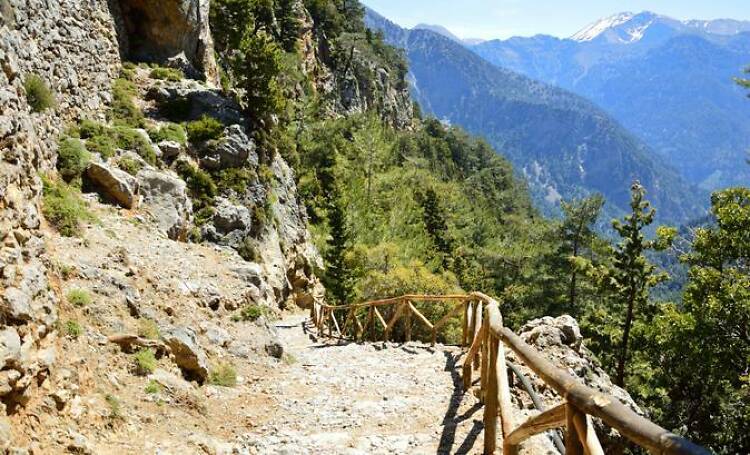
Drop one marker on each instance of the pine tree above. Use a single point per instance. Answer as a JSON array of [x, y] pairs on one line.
[[337, 277], [576, 232], [436, 225], [631, 275]]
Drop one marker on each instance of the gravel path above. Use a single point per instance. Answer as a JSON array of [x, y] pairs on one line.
[[346, 398]]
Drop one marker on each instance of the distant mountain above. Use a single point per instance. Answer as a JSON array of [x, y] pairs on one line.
[[440, 30], [563, 144], [667, 81]]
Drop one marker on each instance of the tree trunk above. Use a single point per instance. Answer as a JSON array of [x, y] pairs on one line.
[[573, 277], [620, 380]]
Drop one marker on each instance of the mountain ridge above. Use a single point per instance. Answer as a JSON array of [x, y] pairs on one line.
[[563, 144]]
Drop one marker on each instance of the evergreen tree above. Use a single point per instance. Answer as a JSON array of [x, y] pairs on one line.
[[337, 277], [631, 275], [288, 23], [436, 225], [577, 235]]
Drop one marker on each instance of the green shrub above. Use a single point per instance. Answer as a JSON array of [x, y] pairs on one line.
[[205, 129], [78, 297], [145, 361], [265, 174], [251, 312], [129, 165], [73, 329], [248, 250], [104, 145], [168, 74], [169, 132], [129, 65], [176, 109], [63, 207], [124, 111], [131, 139], [153, 387], [223, 375], [38, 94], [90, 128], [200, 183], [148, 329], [237, 179], [115, 409], [72, 159]]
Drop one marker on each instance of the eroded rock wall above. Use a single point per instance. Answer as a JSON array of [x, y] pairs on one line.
[[72, 46]]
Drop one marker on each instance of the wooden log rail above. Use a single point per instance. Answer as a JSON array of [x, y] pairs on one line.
[[486, 339]]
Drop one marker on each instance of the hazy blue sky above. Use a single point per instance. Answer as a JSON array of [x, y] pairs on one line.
[[505, 18]]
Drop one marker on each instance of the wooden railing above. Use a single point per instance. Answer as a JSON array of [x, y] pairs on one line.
[[485, 336]]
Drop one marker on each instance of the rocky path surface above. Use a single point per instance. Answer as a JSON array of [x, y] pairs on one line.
[[346, 398]]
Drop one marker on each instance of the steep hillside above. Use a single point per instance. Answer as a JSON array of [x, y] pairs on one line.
[[669, 82], [564, 145]]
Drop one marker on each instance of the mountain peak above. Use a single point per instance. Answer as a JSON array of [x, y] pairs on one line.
[[627, 26], [440, 30]]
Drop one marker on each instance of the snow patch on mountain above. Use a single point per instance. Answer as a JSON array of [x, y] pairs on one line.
[[591, 32]]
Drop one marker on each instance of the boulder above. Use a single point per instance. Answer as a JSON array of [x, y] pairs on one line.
[[235, 149], [188, 354], [116, 184], [170, 149], [230, 217], [167, 198], [16, 304], [10, 347]]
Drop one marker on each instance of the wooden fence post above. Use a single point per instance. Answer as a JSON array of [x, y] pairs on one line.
[[573, 445], [491, 396], [478, 308], [407, 321], [465, 325]]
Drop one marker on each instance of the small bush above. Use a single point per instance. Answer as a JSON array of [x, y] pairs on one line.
[[72, 159], [66, 271], [176, 109], [168, 74], [124, 111], [78, 297], [145, 361], [63, 207], [129, 165], [248, 250], [131, 139], [169, 132], [129, 65], [223, 375], [153, 387], [237, 179], [148, 329], [73, 329], [200, 183], [115, 409], [103, 145], [251, 312], [38, 94], [89, 128], [205, 129], [265, 174]]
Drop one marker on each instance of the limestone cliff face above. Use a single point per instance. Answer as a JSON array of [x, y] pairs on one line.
[[72, 45]]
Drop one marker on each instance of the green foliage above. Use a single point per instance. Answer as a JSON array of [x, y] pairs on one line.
[[224, 375], [153, 387], [167, 74], [700, 349], [115, 408], [38, 94], [251, 312], [169, 132], [337, 278], [205, 129], [144, 361], [147, 328], [128, 138], [73, 329], [104, 145], [256, 66], [235, 179], [124, 111], [78, 297], [201, 185], [72, 160], [63, 207], [129, 165]]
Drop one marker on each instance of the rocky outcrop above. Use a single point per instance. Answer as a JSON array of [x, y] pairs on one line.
[[169, 31], [560, 341], [234, 149], [188, 354], [71, 45], [165, 197]]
